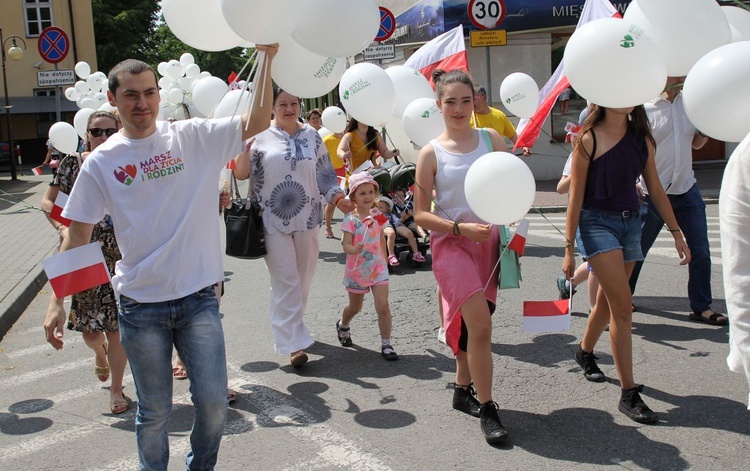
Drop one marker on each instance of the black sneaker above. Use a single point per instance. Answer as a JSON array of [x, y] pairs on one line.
[[464, 400], [564, 288], [633, 406], [587, 361], [388, 353], [345, 338], [492, 428]]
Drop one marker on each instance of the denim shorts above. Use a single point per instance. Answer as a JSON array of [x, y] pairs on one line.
[[603, 231]]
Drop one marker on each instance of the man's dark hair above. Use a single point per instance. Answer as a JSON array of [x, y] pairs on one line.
[[480, 90], [128, 66]]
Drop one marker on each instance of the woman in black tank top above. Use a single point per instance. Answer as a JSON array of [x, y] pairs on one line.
[[614, 145]]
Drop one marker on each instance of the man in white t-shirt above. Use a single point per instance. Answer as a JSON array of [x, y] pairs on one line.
[[158, 182], [676, 137]]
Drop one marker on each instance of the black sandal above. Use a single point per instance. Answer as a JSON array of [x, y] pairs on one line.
[[714, 319], [345, 338]]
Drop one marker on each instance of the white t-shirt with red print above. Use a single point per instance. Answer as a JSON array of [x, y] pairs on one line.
[[161, 192]]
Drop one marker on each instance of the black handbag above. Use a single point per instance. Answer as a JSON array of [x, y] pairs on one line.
[[245, 235]]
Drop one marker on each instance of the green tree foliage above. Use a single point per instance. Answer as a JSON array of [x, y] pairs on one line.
[[122, 29], [135, 29], [219, 64]]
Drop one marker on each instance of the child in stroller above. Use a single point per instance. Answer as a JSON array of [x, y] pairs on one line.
[[397, 228]]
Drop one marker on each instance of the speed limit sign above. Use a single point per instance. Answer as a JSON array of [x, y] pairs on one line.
[[486, 14]]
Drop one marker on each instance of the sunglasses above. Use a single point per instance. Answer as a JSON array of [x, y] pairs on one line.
[[97, 132]]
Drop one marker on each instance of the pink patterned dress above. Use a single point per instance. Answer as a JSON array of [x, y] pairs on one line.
[[368, 267]]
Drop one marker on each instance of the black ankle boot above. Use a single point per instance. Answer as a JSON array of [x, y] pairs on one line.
[[464, 399], [493, 429]]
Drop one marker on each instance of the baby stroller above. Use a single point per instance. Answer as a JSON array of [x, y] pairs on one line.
[[401, 177]]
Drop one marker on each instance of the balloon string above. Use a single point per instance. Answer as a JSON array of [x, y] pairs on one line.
[[742, 5], [259, 64], [239, 75], [492, 273]]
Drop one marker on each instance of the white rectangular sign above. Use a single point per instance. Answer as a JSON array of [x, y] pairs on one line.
[[54, 78], [382, 51]]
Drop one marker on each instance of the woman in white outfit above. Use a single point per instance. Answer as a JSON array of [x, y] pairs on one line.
[[292, 177]]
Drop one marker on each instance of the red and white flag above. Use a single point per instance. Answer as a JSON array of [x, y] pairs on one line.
[[76, 270], [546, 316], [36, 170], [447, 52], [231, 165], [518, 241], [57, 209], [233, 81], [528, 129]]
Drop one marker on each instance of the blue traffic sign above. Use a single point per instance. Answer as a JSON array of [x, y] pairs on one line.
[[387, 24], [53, 44]]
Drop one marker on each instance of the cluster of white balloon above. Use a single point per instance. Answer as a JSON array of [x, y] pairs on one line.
[[91, 90], [178, 77], [625, 62]]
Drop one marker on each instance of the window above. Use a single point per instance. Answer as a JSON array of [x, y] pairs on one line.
[[50, 91], [38, 16]]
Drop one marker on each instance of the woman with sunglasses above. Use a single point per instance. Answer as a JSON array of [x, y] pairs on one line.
[[92, 312]]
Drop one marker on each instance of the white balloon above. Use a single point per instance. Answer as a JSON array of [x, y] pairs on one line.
[[423, 121], [192, 70], [175, 96], [228, 105], [409, 85], [200, 24], [204, 74], [717, 92], [83, 70], [262, 21], [82, 88], [499, 188], [682, 33], [334, 119], [337, 28], [739, 22], [162, 69], [100, 98], [208, 92], [367, 93], [303, 73], [612, 63], [520, 94], [165, 83], [186, 59], [64, 137], [185, 84], [175, 70], [324, 132], [81, 121], [108, 107], [71, 94], [89, 102], [94, 82]]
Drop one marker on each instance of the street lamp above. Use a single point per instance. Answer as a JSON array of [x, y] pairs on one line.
[[15, 53]]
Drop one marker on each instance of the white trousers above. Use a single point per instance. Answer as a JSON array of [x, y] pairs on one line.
[[291, 262]]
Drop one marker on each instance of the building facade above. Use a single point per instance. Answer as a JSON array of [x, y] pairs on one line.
[[34, 106]]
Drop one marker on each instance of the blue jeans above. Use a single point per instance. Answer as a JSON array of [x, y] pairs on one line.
[[690, 212], [193, 326]]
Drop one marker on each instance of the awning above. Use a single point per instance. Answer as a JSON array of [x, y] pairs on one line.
[[39, 104]]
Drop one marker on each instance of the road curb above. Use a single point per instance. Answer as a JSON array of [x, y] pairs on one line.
[[21, 297]]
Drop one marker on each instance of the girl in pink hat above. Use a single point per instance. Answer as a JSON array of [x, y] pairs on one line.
[[366, 269]]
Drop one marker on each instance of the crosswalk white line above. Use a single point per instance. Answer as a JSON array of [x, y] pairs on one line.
[[43, 347], [32, 376]]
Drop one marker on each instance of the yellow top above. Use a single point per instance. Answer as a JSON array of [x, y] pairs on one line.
[[332, 144], [360, 154], [496, 120]]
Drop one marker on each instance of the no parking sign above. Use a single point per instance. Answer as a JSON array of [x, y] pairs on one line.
[[53, 44]]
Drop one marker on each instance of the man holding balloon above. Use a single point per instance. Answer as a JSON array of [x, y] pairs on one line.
[[676, 137], [160, 215]]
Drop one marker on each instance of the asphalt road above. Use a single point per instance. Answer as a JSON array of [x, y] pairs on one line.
[[350, 409]]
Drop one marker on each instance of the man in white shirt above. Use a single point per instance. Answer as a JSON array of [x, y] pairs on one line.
[[676, 137], [158, 182]]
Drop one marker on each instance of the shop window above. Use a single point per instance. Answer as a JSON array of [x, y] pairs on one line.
[[38, 16]]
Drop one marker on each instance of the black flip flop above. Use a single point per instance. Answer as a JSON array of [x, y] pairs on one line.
[[713, 319]]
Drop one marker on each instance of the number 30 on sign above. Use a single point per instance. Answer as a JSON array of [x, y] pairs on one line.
[[486, 14]]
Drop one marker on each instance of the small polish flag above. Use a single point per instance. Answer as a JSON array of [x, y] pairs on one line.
[[342, 183], [518, 241], [76, 270], [57, 209], [378, 217], [232, 165], [37, 170], [546, 316], [232, 80]]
